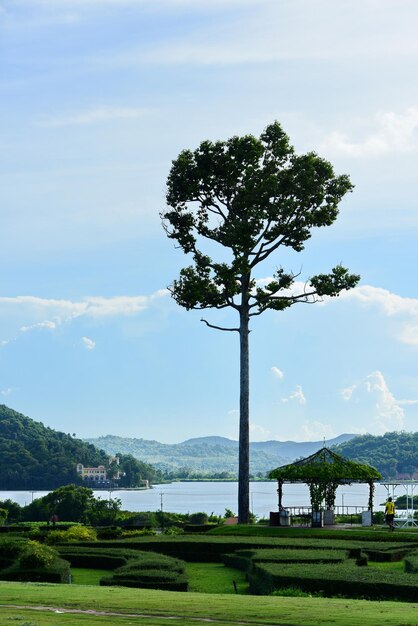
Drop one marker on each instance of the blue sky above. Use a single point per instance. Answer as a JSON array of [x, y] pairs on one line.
[[96, 98]]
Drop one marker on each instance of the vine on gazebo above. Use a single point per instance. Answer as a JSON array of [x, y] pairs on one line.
[[323, 472]]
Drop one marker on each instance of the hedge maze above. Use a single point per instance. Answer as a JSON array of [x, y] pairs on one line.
[[329, 567]]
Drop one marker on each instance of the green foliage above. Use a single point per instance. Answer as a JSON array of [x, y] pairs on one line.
[[3, 515], [57, 571], [13, 510], [411, 563], [72, 535], [393, 454], [35, 457], [36, 555], [198, 518], [343, 579], [286, 555], [150, 570], [72, 503]]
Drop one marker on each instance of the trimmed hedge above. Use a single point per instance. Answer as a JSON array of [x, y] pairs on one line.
[[345, 579], [150, 571], [257, 532], [206, 548], [57, 572], [96, 558], [411, 563], [244, 559]]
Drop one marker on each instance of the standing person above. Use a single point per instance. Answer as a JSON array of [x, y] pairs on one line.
[[390, 513]]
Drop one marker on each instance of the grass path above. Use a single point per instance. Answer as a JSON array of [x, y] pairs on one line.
[[133, 606]]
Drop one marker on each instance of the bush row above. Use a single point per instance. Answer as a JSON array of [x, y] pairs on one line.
[[150, 571], [317, 533], [244, 559], [57, 572], [411, 563], [205, 548], [345, 579]]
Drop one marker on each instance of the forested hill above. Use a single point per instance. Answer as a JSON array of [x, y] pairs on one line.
[[33, 456], [394, 454]]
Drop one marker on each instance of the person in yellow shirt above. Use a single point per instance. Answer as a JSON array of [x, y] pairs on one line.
[[390, 513]]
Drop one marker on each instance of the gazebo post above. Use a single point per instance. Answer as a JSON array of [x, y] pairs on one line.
[[280, 494]]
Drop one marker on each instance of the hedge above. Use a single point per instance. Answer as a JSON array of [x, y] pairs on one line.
[[411, 563], [268, 532], [151, 571], [96, 558], [57, 572], [206, 548], [345, 579], [244, 559]]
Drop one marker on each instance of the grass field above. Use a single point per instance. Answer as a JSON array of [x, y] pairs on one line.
[[215, 578], [83, 576], [149, 607]]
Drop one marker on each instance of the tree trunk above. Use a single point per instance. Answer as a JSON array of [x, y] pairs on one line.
[[244, 421]]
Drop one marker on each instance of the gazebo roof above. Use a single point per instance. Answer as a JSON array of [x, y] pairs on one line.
[[326, 466]]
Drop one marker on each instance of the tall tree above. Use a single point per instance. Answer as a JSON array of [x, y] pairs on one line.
[[251, 196]]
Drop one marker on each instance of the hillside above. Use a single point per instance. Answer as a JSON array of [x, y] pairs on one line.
[[33, 456], [215, 456], [394, 454]]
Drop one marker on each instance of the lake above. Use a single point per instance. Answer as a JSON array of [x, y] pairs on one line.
[[215, 497]]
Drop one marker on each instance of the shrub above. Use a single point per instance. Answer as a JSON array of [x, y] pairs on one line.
[[149, 570], [57, 572], [73, 534], [35, 555], [411, 563], [109, 532], [198, 518], [145, 532], [174, 530]]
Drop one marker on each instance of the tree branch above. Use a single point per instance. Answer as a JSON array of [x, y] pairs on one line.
[[219, 327]]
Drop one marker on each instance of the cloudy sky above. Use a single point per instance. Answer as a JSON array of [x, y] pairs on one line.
[[96, 98]]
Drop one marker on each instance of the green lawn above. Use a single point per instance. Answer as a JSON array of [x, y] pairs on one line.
[[186, 608], [215, 578], [83, 576]]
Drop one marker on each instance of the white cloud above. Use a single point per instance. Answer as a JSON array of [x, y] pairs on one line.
[[48, 324], [374, 396], [88, 343], [91, 306], [296, 396], [277, 372], [316, 431], [348, 392], [257, 431], [394, 133], [391, 305], [6, 392], [93, 116]]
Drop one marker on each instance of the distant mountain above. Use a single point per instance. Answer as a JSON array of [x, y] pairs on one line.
[[33, 456], [214, 455]]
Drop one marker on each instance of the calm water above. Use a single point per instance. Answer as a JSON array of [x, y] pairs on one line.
[[216, 497]]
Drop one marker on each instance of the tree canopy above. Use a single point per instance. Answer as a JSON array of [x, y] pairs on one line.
[[33, 456], [247, 197], [394, 454]]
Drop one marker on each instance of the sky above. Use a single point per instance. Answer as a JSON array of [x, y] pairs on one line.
[[97, 97]]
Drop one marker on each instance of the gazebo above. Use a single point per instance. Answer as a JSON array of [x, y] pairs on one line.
[[323, 472]]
